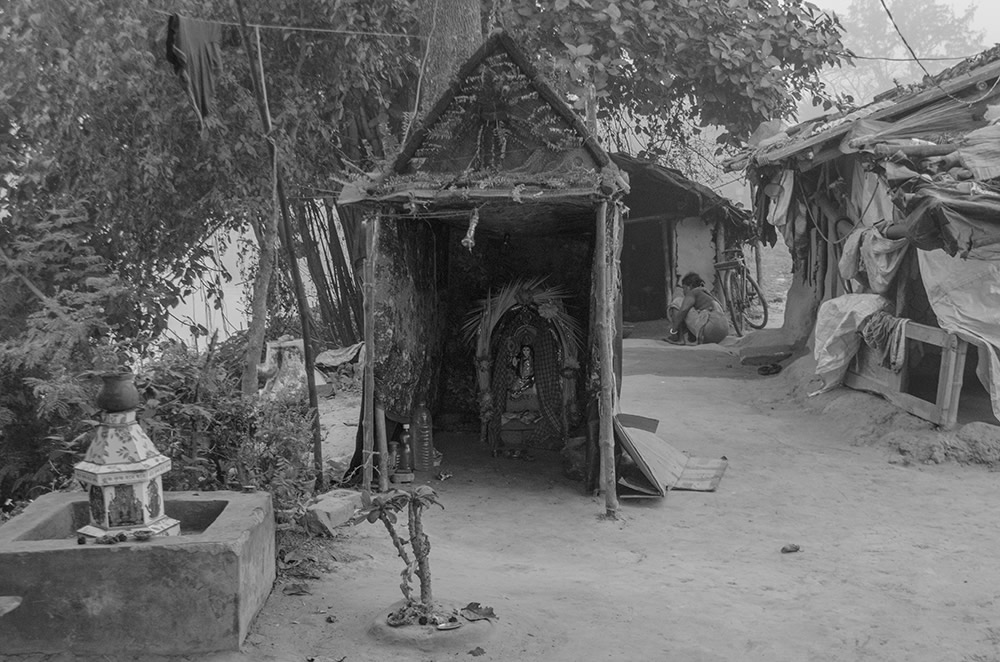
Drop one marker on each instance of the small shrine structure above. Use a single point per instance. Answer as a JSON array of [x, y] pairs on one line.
[[501, 203], [123, 471]]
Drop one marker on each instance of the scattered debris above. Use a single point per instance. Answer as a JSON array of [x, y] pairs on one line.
[[476, 612], [331, 619], [790, 548], [444, 475], [111, 539], [450, 625], [477, 651], [296, 589], [9, 603]]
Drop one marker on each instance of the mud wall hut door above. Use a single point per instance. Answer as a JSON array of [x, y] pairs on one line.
[[643, 272]]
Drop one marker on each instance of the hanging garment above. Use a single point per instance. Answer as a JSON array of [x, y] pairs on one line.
[[193, 48], [886, 336], [872, 259]]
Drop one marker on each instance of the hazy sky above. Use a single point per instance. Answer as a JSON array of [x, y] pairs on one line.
[[987, 15]]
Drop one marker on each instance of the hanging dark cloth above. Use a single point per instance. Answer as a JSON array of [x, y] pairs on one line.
[[193, 47]]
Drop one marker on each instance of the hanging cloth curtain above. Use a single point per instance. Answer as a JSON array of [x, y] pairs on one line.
[[193, 48]]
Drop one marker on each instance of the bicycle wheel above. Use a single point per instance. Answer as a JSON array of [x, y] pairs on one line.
[[734, 300], [755, 307]]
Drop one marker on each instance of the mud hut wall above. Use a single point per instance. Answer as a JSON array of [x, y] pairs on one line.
[[497, 259], [695, 249], [407, 318]]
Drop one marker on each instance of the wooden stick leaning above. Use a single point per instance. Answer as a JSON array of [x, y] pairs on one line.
[[605, 353], [369, 383]]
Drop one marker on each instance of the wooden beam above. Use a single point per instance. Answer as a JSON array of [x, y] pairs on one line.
[[383, 448], [370, 229], [891, 113], [603, 252]]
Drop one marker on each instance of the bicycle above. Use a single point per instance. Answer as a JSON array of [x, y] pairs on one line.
[[743, 296]]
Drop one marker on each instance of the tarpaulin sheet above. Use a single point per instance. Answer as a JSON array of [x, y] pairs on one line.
[[981, 153], [868, 250], [836, 333], [963, 219], [965, 296]]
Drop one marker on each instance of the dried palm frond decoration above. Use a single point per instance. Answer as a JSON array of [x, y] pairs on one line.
[[548, 300], [482, 323]]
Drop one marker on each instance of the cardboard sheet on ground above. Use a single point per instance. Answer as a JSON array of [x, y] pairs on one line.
[[661, 467]]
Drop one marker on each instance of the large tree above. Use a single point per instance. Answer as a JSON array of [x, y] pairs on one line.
[[109, 188]]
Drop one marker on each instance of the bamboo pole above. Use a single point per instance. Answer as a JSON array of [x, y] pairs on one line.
[[383, 448], [369, 309], [285, 232], [605, 353]]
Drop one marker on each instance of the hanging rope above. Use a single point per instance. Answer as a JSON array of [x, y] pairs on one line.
[[469, 241]]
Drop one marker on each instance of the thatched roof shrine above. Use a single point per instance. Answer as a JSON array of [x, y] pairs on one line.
[[500, 188], [499, 134]]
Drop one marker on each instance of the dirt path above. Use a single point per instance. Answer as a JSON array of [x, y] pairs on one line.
[[897, 563]]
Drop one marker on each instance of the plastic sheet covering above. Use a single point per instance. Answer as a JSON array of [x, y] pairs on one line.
[[962, 218], [836, 334], [965, 296], [870, 199], [867, 250], [981, 154], [779, 208]]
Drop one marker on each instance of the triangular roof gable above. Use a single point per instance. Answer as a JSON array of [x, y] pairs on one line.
[[499, 43]]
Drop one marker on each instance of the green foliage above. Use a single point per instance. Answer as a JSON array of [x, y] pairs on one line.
[[219, 439], [384, 508], [666, 64], [109, 189]]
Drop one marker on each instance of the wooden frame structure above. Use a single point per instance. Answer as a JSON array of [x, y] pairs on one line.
[[865, 374], [559, 184]]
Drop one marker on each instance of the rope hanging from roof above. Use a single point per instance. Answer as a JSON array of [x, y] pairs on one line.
[[469, 241]]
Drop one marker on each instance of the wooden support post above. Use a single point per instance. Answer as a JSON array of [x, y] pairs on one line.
[[603, 253], [669, 261], [285, 232], [369, 383], [383, 448], [950, 379]]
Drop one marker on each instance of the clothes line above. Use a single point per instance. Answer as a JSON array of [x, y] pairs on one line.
[[399, 35]]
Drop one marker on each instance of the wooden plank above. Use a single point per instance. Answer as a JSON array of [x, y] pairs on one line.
[[701, 474], [950, 380], [659, 462], [894, 111], [866, 375], [928, 334], [638, 422], [383, 448], [605, 353], [665, 467], [464, 195], [910, 403], [368, 440]]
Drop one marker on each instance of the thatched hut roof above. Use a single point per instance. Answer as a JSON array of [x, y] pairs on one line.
[[499, 140]]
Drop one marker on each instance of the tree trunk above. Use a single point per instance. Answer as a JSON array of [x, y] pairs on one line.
[[258, 307], [421, 546], [454, 29]]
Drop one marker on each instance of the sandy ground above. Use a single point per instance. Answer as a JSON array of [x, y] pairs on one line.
[[897, 560]]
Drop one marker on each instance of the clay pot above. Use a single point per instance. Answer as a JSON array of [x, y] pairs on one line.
[[118, 393]]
